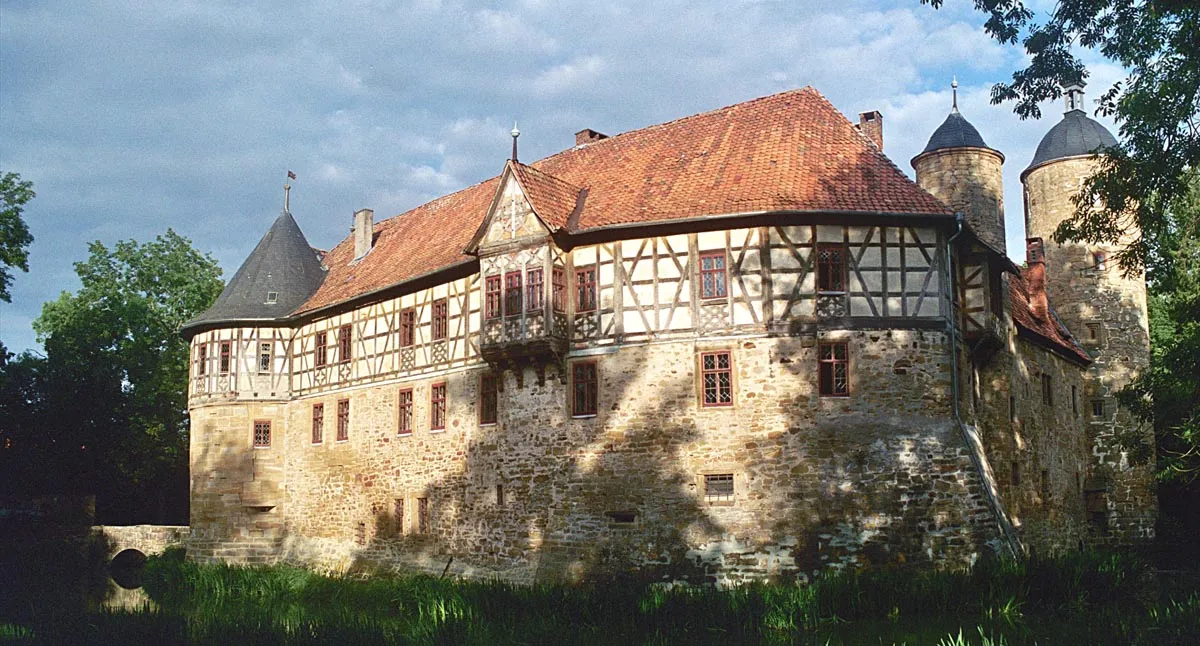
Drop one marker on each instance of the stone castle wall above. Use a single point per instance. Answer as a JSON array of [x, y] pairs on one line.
[[970, 181]]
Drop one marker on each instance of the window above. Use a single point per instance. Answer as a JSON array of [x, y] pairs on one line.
[[272, 298], [584, 388], [712, 275], [343, 429], [1074, 401], [833, 369], [1047, 391], [404, 409], [1093, 332], [492, 297], [360, 534], [499, 495], [202, 364], [398, 515], [488, 411], [512, 293], [1098, 408], [437, 407], [423, 515], [264, 357], [831, 268], [321, 356], [262, 433], [558, 289], [318, 423], [1099, 261], [533, 290], [440, 325], [408, 327], [225, 353], [1016, 474], [717, 372], [718, 487], [344, 344], [585, 289], [1044, 486], [1012, 409]]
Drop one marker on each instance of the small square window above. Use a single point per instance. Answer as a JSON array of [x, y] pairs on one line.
[[1099, 261], [1095, 332], [262, 434], [1098, 408], [718, 487], [272, 298]]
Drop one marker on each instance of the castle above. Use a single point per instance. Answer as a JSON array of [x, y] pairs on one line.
[[735, 346]]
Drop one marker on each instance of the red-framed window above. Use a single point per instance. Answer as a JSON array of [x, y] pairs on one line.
[[440, 319], [831, 268], [343, 429], [226, 353], [585, 289], [408, 327], [202, 362], [492, 297], [437, 407], [404, 411], [712, 275], [262, 433], [533, 290], [558, 289], [318, 423], [717, 378], [344, 344], [321, 356], [833, 369], [585, 388], [488, 399], [512, 293]]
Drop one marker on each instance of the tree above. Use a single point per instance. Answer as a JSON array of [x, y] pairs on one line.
[[1155, 106], [115, 374], [14, 235]]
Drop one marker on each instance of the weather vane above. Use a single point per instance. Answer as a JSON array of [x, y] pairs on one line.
[[287, 191]]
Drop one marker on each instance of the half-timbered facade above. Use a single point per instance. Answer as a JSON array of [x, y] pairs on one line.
[[741, 344]]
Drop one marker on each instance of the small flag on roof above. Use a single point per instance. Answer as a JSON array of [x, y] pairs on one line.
[[291, 175]]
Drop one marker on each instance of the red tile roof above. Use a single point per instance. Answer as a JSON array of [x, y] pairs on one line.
[[788, 151], [1048, 328]]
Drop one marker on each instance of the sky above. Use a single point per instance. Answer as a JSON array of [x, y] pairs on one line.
[[132, 117]]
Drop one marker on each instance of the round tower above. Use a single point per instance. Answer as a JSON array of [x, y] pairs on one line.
[[1104, 310], [959, 169]]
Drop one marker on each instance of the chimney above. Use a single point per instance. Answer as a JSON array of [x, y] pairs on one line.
[[588, 136], [364, 232], [871, 125], [1035, 278]]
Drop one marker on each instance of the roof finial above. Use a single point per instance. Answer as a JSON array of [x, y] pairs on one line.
[[515, 133], [954, 90], [287, 188]]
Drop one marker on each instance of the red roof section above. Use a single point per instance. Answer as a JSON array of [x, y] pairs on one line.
[[788, 151], [1049, 328]]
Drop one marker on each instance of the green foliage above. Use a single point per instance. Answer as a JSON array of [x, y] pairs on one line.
[[14, 234], [1155, 106]]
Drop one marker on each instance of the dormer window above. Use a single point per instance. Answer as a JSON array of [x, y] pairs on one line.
[[272, 298]]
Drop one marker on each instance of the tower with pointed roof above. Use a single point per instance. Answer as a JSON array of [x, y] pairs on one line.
[[1105, 308]]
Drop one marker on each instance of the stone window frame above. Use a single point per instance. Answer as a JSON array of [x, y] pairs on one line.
[[343, 420], [408, 327], [438, 407], [714, 497], [423, 516], [345, 341], [266, 355], [225, 358], [703, 372], [1102, 416], [839, 265], [578, 368], [320, 349], [405, 411], [534, 286], [1095, 333], [261, 433], [489, 390], [493, 289], [1047, 390], [440, 324], [398, 516], [1099, 260], [714, 281], [1074, 400], [587, 289], [833, 362], [318, 423], [513, 293]]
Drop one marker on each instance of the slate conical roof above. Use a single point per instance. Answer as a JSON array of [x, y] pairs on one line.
[[282, 268], [1077, 134], [955, 132]]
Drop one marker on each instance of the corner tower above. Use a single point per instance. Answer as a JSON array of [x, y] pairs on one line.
[[1106, 312], [959, 169]]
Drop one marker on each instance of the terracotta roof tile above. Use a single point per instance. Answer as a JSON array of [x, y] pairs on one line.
[[789, 151], [1049, 328]]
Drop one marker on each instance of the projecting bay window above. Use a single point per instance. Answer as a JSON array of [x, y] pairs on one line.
[[492, 297], [319, 359], [833, 369], [712, 275], [343, 420], [343, 338], [226, 350], [558, 289], [437, 407], [831, 269], [440, 319], [488, 399], [404, 412], [318, 423], [717, 378], [585, 289], [408, 327], [585, 389], [512, 293], [262, 434], [533, 290]]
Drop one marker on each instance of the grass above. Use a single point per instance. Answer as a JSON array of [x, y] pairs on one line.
[[1092, 598]]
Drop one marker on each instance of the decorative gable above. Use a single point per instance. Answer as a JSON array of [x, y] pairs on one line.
[[528, 206]]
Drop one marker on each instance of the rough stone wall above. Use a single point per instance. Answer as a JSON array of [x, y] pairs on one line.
[[880, 477], [147, 539], [968, 180], [1112, 307]]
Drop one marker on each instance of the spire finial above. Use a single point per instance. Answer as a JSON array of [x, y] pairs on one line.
[[287, 189], [954, 91], [515, 133]]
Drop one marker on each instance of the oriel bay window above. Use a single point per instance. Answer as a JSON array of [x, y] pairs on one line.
[[712, 275], [512, 293], [558, 289], [584, 389], [492, 297], [585, 289], [437, 407], [833, 369], [440, 319], [831, 268], [717, 378], [533, 290]]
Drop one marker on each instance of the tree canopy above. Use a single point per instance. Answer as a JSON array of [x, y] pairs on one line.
[[14, 234], [1156, 106]]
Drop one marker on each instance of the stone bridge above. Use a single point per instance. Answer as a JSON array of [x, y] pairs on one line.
[[139, 541]]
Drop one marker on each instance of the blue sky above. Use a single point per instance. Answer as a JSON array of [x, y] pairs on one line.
[[132, 117]]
